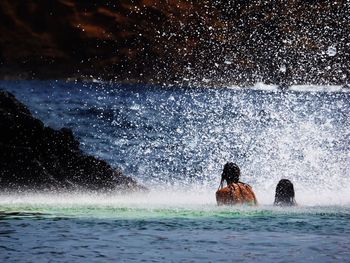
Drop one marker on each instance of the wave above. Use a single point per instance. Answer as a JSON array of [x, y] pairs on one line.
[[260, 86]]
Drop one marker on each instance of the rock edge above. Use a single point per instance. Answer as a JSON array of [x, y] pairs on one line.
[[35, 157]]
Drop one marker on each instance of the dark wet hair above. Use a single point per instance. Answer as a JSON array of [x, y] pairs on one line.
[[285, 193], [231, 173]]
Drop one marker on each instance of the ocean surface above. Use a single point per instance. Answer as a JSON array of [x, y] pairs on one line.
[[175, 141]]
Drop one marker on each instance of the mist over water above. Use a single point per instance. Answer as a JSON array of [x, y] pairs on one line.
[[176, 140]]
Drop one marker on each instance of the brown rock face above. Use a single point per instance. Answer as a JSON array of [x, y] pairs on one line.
[[168, 41], [35, 157]]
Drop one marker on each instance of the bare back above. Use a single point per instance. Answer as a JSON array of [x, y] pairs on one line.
[[236, 193]]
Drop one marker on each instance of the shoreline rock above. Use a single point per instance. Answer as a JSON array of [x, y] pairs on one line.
[[36, 157]]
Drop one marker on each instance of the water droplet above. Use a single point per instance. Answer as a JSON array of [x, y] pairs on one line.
[[331, 51], [283, 68]]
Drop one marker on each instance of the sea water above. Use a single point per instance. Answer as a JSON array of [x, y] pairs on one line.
[[175, 141]]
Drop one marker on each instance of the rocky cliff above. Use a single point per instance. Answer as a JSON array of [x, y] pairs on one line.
[[36, 157], [213, 42]]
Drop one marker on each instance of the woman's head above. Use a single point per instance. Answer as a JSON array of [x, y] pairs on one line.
[[285, 193], [231, 173]]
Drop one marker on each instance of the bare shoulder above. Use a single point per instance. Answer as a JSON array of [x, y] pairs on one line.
[[245, 185]]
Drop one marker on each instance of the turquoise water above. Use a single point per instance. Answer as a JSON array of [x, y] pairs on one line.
[[107, 228], [176, 141]]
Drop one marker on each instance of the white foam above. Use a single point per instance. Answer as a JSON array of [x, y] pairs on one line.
[[263, 86], [317, 88], [167, 197], [301, 88]]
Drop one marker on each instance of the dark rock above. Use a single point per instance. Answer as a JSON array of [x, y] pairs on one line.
[[204, 42], [35, 157]]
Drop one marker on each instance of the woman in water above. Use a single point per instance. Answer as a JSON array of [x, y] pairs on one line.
[[235, 192], [285, 193]]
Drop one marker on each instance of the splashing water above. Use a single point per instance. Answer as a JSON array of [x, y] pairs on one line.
[[177, 140]]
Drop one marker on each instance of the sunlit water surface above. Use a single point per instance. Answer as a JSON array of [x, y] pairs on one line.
[[176, 141]]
